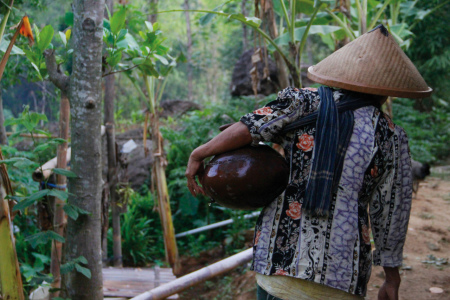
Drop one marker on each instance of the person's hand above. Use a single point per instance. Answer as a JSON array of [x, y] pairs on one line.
[[194, 168], [389, 289]]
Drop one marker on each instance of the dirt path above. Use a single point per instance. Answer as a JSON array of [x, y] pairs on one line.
[[428, 234]]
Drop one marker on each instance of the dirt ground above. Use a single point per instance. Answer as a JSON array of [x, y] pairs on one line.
[[426, 250]]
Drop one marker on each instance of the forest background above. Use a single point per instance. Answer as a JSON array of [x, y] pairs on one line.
[[216, 45]]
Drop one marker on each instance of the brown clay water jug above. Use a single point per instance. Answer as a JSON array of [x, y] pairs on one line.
[[246, 178]]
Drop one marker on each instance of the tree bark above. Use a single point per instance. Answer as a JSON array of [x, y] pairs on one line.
[[112, 164], [244, 27], [269, 17], [84, 234], [3, 137], [59, 221], [152, 17], [189, 49]]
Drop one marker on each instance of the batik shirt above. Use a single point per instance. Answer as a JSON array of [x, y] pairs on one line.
[[375, 183]]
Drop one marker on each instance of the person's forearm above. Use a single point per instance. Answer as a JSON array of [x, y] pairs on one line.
[[234, 137]]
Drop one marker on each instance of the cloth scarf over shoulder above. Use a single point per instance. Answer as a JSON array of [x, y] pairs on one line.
[[334, 127]]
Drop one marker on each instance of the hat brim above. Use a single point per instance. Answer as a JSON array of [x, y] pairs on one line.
[[364, 88]]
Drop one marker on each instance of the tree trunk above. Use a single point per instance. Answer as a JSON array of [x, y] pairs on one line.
[[3, 137], [84, 234], [244, 28], [269, 17], [152, 17], [59, 220], [112, 164], [189, 49]]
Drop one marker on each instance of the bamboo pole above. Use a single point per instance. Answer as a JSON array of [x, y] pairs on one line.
[[59, 221], [165, 213], [10, 279], [194, 278]]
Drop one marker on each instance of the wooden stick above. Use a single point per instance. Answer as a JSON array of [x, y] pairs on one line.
[[8, 50], [197, 277], [59, 221]]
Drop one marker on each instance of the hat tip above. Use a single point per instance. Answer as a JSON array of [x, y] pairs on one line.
[[383, 30]]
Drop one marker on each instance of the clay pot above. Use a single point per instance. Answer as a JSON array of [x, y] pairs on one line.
[[246, 178]]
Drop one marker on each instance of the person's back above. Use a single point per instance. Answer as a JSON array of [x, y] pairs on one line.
[[334, 251]]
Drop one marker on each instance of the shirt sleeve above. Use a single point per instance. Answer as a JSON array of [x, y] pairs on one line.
[[265, 124], [390, 207]]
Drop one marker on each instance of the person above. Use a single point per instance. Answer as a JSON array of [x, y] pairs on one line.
[[314, 241]]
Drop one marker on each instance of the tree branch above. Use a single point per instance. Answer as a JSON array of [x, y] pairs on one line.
[[59, 79]]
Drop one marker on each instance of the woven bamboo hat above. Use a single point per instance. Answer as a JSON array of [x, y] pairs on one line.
[[374, 64]]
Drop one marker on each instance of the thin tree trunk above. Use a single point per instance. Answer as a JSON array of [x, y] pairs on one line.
[[112, 164], [158, 169], [189, 49], [3, 137], [84, 234], [269, 17], [244, 27], [153, 11], [59, 220]]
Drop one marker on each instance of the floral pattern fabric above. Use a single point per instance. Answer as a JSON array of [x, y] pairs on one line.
[[334, 251]]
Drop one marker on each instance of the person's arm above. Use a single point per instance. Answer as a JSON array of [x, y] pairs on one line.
[[234, 137], [389, 212]]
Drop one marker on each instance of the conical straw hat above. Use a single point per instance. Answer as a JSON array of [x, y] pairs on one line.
[[374, 64]]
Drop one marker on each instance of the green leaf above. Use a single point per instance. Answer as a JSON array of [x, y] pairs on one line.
[[38, 195], [162, 59], [118, 21], [284, 39], [81, 260], [71, 212], [68, 18], [46, 37], [13, 160], [65, 172], [114, 59], [128, 43], [41, 147], [210, 16], [43, 238], [15, 50], [59, 194], [67, 267], [149, 26], [85, 271], [122, 34], [63, 38], [74, 211], [138, 60]]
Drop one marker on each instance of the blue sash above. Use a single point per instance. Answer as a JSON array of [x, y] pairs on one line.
[[334, 128]]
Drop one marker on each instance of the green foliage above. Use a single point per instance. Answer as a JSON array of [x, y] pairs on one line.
[[428, 133], [142, 239], [43, 238], [76, 264]]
